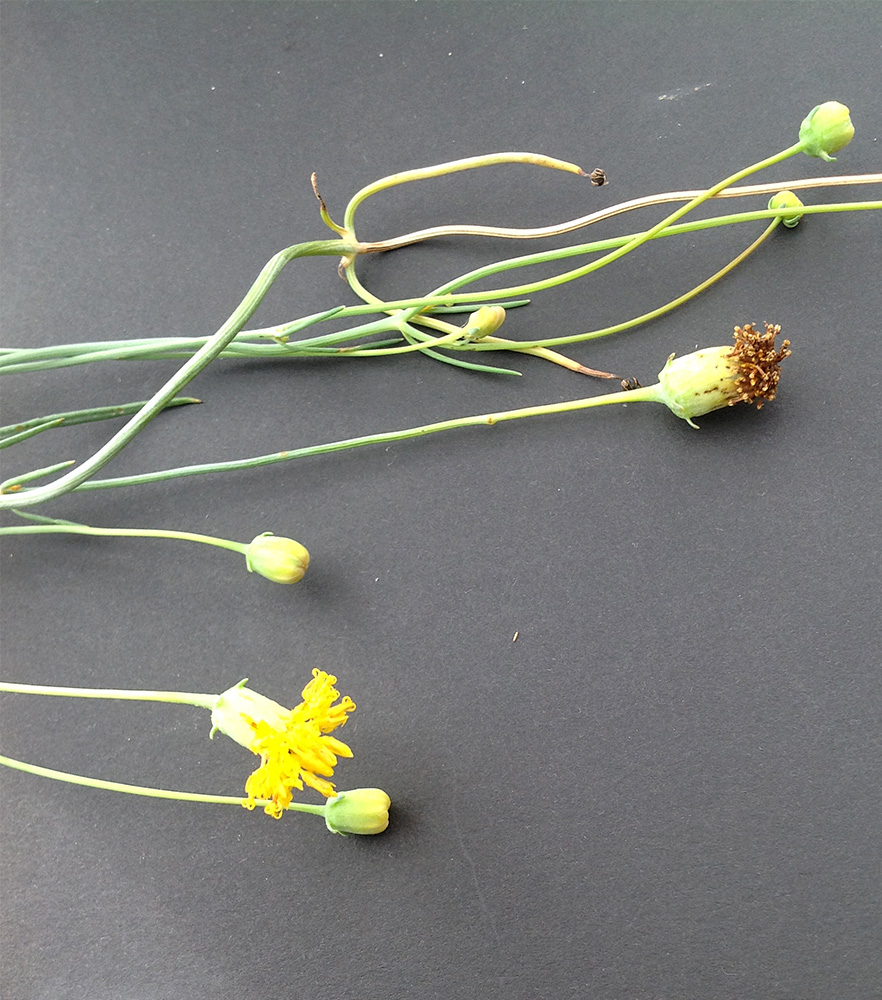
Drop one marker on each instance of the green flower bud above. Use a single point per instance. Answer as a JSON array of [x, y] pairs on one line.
[[279, 559], [826, 129], [723, 376], [787, 199], [363, 810], [237, 712], [484, 321]]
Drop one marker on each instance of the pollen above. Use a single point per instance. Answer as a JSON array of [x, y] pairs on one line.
[[758, 364], [300, 752]]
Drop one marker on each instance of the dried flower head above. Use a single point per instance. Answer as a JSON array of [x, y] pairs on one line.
[[758, 363], [709, 379]]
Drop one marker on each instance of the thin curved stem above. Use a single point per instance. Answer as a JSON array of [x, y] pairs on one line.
[[21, 360], [653, 313], [113, 694], [640, 394], [608, 258], [153, 793], [84, 529], [450, 167], [446, 293]]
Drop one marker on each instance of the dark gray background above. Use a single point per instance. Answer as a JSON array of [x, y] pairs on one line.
[[669, 785]]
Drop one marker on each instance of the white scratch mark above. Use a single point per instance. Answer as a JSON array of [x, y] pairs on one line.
[[481, 900], [675, 95]]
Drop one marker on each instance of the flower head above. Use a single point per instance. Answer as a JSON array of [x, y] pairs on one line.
[[723, 376], [484, 321], [787, 199], [279, 559], [826, 129], [293, 744], [363, 811]]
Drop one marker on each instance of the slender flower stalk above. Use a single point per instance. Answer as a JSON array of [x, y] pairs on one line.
[[647, 201], [442, 169], [371, 815], [112, 694], [293, 744], [810, 141], [275, 557]]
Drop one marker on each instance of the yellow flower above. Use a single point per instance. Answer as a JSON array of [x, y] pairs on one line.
[[293, 745]]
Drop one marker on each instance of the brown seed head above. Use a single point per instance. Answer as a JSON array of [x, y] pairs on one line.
[[758, 364]]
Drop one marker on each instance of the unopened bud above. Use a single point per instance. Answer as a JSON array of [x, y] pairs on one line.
[[787, 199], [484, 321], [826, 129], [279, 559], [363, 810]]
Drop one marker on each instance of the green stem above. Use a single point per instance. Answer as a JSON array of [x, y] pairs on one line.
[[84, 529], [644, 317], [153, 793], [639, 239], [594, 265], [641, 394], [8, 440], [446, 294], [116, 694], [188, 371]]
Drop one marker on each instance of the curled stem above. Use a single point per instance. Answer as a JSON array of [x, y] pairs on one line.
[[450, 167]]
